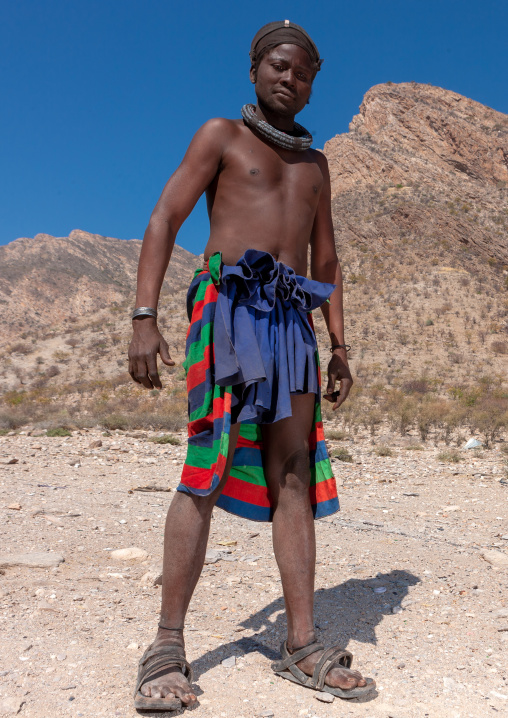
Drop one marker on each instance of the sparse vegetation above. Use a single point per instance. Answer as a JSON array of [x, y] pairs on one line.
[[450, 457], [58, 431], [166, 439], [342, 454], [383, 451]]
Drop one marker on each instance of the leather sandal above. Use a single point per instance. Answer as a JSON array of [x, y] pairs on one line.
[[287, 668]]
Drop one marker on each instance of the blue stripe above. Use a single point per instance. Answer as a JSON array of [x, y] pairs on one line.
[[247, 456], [195, 330], [244, 509], [325, 508]]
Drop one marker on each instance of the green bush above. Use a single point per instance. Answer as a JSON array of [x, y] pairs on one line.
[[451, 457], [383, 451], [342, 454], [58, 431], [166, 439]]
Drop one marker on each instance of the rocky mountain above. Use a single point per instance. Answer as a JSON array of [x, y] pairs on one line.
[[49, 282], [420, 209], [424, 163]]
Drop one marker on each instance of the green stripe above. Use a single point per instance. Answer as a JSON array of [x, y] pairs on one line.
[[249, 474]]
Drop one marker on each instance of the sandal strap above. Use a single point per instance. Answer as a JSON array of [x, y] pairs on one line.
[[155, 660], [170, 651], [289, 659], [329, 658]]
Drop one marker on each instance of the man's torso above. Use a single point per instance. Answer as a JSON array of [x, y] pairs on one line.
[[263, 197]]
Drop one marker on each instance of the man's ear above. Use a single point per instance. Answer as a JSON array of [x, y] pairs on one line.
[[252, 74]]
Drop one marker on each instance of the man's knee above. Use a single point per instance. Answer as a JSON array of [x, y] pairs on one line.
[[295, 471]]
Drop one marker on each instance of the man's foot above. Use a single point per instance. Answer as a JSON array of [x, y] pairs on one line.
[[169, 683], [337, 677]]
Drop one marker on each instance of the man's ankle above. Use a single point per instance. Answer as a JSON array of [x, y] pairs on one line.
[[300, 640]]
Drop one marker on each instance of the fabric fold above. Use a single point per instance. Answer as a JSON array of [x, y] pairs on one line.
[[264, 344]]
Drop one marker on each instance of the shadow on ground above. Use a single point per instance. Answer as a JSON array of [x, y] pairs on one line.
[[349, 611]]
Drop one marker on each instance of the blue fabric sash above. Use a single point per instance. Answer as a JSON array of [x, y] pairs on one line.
[[264, 345]]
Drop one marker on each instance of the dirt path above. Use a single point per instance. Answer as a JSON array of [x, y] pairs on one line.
[[436, 639]]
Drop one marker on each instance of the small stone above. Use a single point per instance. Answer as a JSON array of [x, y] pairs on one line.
[[397, 609], [212, 556], [472, 444], [61, 657], [496, 558], [10, 706], [324, 697], [502, 696], [14, 507], [268, 713], [501, 613], [31, 560], [380, 589], [230, 663], [133, 553], [153, 577], [9, 461], [95, 444], [133, 646]]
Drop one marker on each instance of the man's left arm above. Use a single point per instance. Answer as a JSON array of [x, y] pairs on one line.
[[325, 267]]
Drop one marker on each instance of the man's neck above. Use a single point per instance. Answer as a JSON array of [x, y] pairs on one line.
[[284, 123]]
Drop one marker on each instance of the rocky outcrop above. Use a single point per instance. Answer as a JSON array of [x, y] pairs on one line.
[[424, 161], [48, 281]]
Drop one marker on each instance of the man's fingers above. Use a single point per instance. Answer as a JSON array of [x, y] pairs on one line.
[[345, 388], [164, 352], [153, 374]]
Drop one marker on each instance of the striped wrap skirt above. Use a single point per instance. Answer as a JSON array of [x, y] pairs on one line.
[[250, 345]]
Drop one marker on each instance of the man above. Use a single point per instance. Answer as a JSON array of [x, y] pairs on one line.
[[251, 360]]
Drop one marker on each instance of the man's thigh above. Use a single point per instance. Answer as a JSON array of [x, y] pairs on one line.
[[286, 447]]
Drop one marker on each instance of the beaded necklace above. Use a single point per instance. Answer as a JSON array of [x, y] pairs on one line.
[[282, 139]]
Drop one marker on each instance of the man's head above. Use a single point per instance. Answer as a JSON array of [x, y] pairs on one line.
[[284, 62], [283, 32]]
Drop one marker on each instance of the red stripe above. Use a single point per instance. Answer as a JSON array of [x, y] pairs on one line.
[[249, 443], [324, 491], [197, 372], [199, 425], [196, 478], [244, 491]]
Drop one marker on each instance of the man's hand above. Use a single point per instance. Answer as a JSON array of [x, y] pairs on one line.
[[146, 343], [338, 370]]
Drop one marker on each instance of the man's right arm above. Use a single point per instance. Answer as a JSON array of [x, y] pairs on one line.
[[197, 170]]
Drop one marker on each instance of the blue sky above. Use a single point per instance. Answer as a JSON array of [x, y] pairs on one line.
[[99, 99]]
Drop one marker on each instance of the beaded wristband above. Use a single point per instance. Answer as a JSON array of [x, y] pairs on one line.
[[347, 347]]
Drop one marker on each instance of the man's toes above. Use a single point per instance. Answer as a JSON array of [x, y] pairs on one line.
[[145, 690], [156, 692], [167, 693]]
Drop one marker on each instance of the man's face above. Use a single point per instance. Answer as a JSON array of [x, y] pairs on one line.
[[284, 79]]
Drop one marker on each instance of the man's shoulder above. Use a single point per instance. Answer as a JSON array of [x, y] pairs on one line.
[[319, 157], [219, 126]]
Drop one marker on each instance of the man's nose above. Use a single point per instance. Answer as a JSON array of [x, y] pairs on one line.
[[288, 79]]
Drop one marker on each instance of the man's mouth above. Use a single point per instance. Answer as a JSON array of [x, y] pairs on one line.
[[284, 94]]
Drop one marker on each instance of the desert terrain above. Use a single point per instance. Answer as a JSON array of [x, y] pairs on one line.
[[412, 572]]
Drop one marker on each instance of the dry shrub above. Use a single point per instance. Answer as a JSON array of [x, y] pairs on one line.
[[416, 386], [489, 417], [21, 348], [499, 347]]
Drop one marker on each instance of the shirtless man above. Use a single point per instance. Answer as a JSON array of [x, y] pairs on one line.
[[265, 197]]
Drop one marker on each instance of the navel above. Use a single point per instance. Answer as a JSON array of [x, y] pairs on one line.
[[254, 171], [315, 189]]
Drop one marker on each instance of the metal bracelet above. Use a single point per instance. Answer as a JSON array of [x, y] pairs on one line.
[[144, 312], [347, 347]]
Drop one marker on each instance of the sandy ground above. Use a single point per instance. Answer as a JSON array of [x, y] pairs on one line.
[[436, 639]]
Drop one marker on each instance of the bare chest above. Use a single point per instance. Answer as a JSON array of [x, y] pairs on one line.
[[257, 168]]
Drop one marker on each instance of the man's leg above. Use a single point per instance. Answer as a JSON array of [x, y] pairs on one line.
[[288, 475], [185, 540]]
